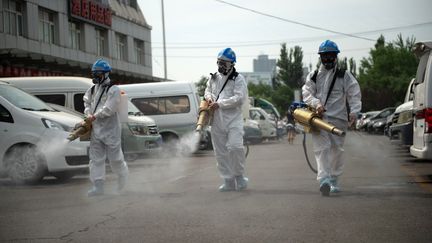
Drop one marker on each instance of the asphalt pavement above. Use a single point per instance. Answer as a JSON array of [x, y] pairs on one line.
[[386, 197]]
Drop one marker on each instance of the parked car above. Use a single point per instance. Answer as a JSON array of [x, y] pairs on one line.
[[33, 140], [132, 148], [266, 105], [376, 123], [252, 132], [267, 124], [365, 118], [422, 105], [401, 130], [173, 105], [140, 133]]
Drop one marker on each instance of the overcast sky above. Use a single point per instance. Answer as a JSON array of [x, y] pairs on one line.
[[196, 30]]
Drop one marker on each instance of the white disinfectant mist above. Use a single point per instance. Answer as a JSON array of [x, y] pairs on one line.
[[173, 164], [24, 158]]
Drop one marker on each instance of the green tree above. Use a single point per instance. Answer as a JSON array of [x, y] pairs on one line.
[[201, 85], [290, 67], [352, 66], [385, 75]]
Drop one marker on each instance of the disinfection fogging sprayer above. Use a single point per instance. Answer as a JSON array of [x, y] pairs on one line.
[[203, 116], [312, 122], [81, 130]]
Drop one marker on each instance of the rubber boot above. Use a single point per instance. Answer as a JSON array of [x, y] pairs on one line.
[[242, 182], [97, 189], [229, 185], [325, 187], [334, 187]]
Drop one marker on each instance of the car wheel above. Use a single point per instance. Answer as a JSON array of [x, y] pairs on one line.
[[170, 144], [25, 164]]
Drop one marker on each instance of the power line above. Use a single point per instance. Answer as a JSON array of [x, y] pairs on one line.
[[248, 56], [294, 22], [182, 45]]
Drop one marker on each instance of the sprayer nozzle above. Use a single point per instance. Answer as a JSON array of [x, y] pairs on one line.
[[199, 128], [338, 132]]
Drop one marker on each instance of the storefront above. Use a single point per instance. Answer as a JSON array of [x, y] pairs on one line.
[[65, 37]]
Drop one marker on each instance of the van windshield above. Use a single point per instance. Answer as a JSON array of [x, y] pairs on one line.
[[22, 99]]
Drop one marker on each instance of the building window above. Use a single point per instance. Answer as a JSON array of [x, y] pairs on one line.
[[13, 17], [75, 35], [46, 26], [120, 47], [101, 42], [139, 52]]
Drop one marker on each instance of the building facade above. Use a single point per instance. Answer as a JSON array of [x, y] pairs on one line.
[[65, 37], [264, 64]]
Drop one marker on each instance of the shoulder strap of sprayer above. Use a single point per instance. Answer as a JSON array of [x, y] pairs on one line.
[[339, 73], [232, 76], [100, 97]]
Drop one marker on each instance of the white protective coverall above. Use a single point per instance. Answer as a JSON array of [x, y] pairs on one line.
[[105, 140], [328, 148], [227, 123]]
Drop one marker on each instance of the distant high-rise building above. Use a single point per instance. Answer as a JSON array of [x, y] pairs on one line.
[[264, 64]]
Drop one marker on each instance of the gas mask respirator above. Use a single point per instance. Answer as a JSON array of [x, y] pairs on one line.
[[328, 60], [99, 77], [224, 67]]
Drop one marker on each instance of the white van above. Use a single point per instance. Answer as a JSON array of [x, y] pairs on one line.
[[422, 106], [266, 122], [139, 135], [401, 129], [173, 105], [33, 140]]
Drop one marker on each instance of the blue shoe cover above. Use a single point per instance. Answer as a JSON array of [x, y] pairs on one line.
[[242, 182], [229, 185], [334, 188], [97, 189]]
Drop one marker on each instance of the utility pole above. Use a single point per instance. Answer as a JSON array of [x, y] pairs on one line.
[[164, 46]]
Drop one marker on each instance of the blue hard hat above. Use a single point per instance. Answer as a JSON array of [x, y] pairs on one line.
[[101, 66], [328, 46], [227, 54]]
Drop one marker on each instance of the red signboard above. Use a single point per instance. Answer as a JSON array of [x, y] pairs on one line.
[[9, 71], [91, 11]]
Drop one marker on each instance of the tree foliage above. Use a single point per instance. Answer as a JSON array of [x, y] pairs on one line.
[[290, 67], [386, 73], [289, 77], [201, 85]]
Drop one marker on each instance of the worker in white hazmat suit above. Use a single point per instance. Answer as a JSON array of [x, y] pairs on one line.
[[335, 94], [101, 104], [226, 92]]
